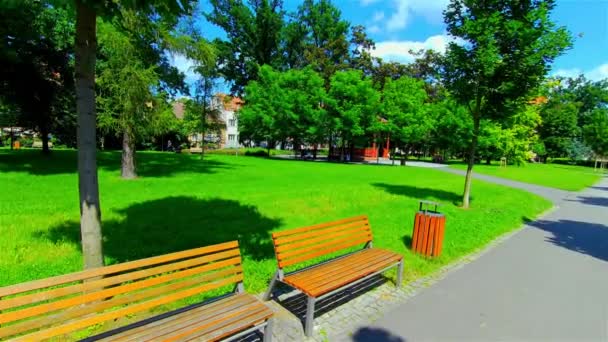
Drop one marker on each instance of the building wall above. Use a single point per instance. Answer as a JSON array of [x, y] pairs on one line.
[[231, 134]]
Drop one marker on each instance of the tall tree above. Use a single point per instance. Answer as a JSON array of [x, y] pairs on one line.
[[36, 52], [253, 29], [353, 106], [506, 48], [326, 41], [596, 132], [126, 103], [85, 61], [406, 112]]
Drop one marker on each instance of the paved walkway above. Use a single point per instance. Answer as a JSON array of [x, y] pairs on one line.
[[547, 282]]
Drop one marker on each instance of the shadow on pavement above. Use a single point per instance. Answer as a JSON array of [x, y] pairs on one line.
[[599, 201], [375, 335], [582, 237]]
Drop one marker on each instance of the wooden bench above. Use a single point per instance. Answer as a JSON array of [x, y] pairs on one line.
[[60, 307], [321, 280]]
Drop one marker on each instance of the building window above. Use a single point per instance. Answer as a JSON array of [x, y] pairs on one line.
[[231, 137], [232, 122]]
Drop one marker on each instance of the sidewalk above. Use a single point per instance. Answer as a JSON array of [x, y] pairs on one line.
[[548, 282]]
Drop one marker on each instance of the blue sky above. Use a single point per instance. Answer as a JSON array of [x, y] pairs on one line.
[[400, 25]]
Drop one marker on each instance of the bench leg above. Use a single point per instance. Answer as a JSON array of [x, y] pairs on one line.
[[273, 282], [268, 330], [400, 273], [310, 317]]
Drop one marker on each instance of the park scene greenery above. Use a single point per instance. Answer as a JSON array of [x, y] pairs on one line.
[[95, 79]]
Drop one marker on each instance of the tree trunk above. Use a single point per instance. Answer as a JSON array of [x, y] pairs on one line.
[[88, 188], [467, 182], [128, 169], [314, 152], [44, 136], [12, 138], [488, 160]]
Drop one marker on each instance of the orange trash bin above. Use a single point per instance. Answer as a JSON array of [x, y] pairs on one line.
[[429, 229]]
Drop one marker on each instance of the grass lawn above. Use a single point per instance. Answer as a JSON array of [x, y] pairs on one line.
[[181, 202], [565, 177]]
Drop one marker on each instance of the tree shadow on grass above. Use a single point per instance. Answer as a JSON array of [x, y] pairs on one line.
[[66, 162], [174, 224], [582, 237], [421, 193]]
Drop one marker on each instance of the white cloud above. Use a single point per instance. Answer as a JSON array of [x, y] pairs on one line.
[[374, 29], [185, 65], [399, 50], [368, 2], [404, 9], [598, 73], [378, 16]]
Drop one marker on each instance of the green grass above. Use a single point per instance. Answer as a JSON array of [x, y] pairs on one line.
[[181, 202], [565, 177]]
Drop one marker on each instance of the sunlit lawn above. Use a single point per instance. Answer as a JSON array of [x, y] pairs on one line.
[[181, 202], [565, 177]]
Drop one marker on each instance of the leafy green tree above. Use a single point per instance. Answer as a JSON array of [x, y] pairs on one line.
[[264, 101], [559, 127], [326, 41], [283, 106], [361, 47], [453, 127], [253, 29], [353, 106], [408, 116], [596, 132], [303, 118], [126, 101], [505, 50], [36, 63], [383, 71]]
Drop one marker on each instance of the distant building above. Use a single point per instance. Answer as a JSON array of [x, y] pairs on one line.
[[228, 136], [228, 105]]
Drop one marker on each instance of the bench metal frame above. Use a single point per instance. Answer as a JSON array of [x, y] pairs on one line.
[[310, 306]]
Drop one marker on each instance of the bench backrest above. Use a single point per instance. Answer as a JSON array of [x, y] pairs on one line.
[[64, 304], [301, 244]]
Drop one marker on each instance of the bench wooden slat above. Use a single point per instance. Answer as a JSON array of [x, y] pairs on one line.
[[327, 243], [224, 324], [283, 247], [105, 282], [103, 271], [100, 306], [316, 233], [203, 313], [318, 253], [122, 289], [318, 226], [317, 285], [106, 316], [336, 265], [324, 285], [228, 327]]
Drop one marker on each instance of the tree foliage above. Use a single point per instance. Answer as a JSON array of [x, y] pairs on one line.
[[503, 52]]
